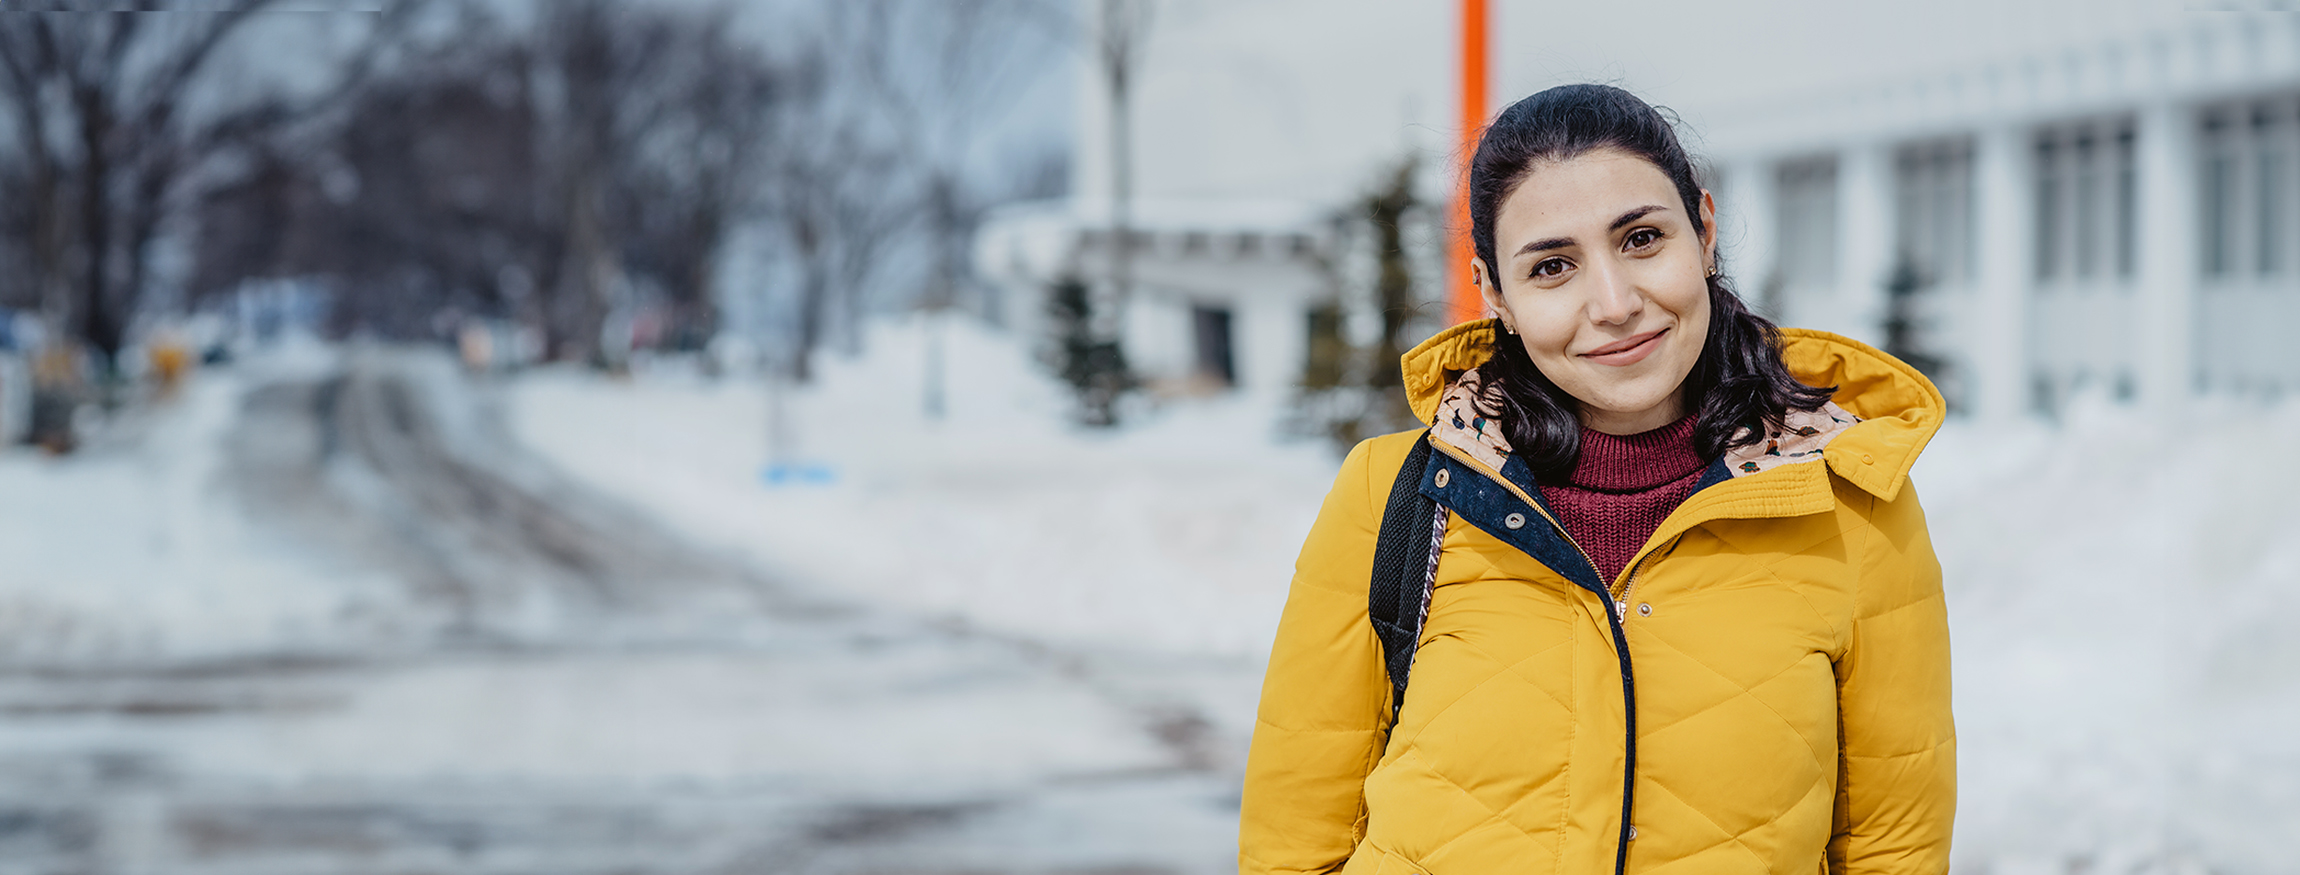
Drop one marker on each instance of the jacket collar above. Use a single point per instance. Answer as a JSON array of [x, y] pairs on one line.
[[1882, 416]]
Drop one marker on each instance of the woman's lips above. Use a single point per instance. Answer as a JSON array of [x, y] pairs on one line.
[[1628, 351]]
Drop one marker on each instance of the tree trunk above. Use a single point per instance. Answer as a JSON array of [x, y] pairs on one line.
[[814, 294], [98, 323]]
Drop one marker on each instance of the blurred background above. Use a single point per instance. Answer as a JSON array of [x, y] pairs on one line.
[[873, 436]]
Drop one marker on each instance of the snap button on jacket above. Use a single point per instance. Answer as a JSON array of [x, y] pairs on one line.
[[1777, 702]]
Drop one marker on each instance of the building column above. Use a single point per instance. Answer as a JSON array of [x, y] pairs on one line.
[[1865, 244], [2000, 353], [1748, 220], [2164, 307]]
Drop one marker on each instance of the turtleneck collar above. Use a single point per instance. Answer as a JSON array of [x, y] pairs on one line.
[[1637, 462]]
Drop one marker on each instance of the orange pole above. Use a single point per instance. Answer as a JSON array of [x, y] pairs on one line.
[[1462, 301]]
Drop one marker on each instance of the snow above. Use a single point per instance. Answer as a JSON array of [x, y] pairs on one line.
[[2121, 593], [902, 720], [234, 667], [131, 552], [1176, 534]]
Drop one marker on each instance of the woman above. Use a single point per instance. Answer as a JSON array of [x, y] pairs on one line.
[[1684, 616]]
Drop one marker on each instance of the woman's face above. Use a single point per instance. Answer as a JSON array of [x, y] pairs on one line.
[[1601, 275]]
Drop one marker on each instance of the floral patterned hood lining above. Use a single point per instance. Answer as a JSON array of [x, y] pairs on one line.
[[1464, 424]]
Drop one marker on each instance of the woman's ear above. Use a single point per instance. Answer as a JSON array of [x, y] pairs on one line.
[[1492, 295], [1709, 228]]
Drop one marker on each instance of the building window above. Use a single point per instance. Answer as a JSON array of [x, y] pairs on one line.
[[2048, 213], [2249, 156], [1933, 184], [1808, 222], [1327, 362], [2088, 205], [2268, 247], [1210, 330], [2220, 196], [2087, 219], [2127, 205]]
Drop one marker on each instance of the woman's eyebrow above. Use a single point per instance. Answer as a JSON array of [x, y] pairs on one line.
[[1632, 215]]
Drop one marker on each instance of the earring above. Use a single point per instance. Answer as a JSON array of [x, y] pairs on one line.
[[1713, 271]]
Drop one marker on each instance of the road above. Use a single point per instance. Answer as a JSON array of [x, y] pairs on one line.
[[568, 688]]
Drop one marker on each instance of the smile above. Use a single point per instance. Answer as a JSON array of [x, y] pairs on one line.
[[1628, 351]]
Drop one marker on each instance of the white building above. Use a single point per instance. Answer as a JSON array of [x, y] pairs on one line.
[[2122, 216], [2098, 197]]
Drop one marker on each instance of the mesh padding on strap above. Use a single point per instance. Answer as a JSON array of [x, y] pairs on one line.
[[1405, 563]]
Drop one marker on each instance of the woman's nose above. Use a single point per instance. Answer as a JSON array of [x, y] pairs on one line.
[[1613, 299]]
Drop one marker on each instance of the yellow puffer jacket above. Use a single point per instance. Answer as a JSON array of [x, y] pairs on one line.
[[1764, 689]]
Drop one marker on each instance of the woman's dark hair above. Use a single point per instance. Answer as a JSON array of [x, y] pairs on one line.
[[1739, 386]]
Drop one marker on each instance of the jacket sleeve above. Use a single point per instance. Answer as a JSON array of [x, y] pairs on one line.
[[1897, 779], [1325, 698]]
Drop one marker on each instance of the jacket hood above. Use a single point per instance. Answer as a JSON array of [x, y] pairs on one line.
[[1898, 409]]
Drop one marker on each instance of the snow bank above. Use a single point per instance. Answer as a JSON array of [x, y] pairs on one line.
[[131, 551], [2122, 592], [1176, 534]]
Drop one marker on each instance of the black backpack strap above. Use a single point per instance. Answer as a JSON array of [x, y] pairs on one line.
[[1405, 565]]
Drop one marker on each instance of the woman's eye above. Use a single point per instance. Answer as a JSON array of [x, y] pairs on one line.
[[1642, 237], [1549, 268]]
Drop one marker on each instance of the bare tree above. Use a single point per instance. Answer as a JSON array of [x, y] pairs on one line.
[[419, 198], [696, 157], [839, 185], [833, 207], [97, 97], [652, 128], [936, 71], [872, 186], [552, 174]]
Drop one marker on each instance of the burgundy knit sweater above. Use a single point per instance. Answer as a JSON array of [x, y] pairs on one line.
[[1621, 489]]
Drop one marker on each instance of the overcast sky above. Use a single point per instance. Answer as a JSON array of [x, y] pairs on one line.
[[1701, 57], [1707, 57]]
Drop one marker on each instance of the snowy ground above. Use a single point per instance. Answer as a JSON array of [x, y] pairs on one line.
[[320, 609], [127, 552], [316, 615], [1177, 534], [2123, 594]]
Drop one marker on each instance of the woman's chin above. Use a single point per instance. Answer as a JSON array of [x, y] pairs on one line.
[[1623, 419]]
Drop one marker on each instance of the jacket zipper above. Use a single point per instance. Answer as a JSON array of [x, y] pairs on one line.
[[1613, 619]]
